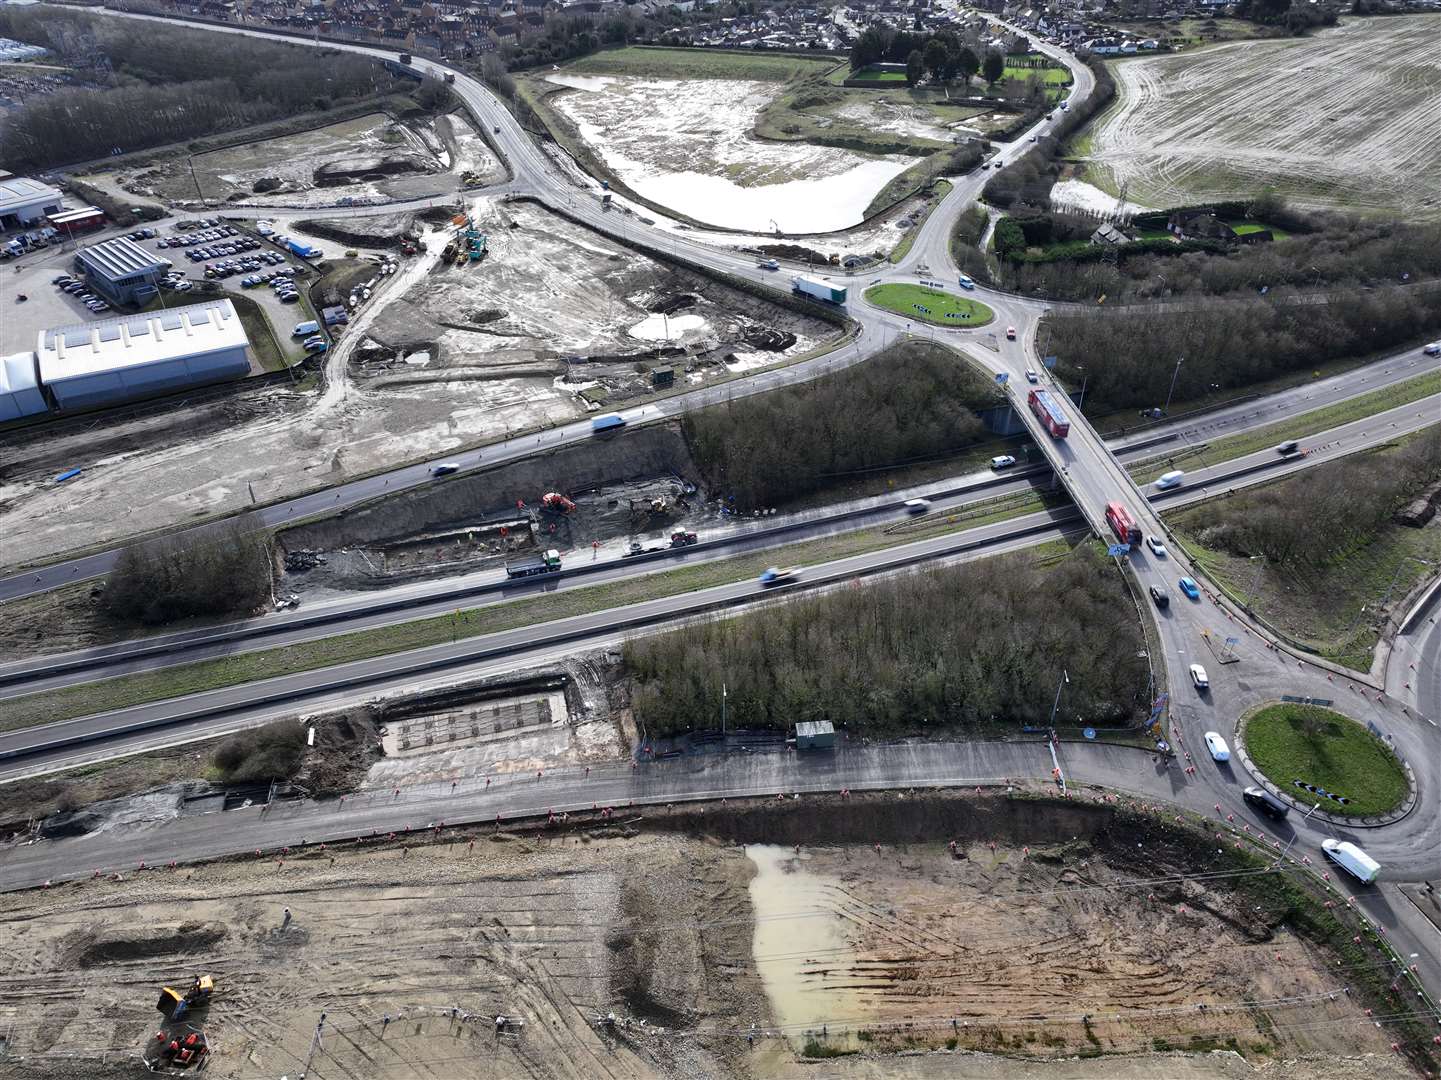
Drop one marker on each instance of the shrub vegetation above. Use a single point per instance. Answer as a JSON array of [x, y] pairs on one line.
[[950, 649], [910, 402], [273, 752], [225, 570]]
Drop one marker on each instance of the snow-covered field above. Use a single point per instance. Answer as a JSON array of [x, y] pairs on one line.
[[1346, 117], [686, 145]]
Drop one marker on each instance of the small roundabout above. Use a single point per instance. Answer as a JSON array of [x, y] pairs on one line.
[[934, 306], [1313, 755]]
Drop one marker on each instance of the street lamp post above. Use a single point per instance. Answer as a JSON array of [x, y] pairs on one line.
[[1065, 680], [1167, 407], [1255, 580]]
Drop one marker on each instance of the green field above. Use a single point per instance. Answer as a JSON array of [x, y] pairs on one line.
[[700, 64], [871, 75], [1051, 76], [902, 300], [1324, 748], [1245, 228]]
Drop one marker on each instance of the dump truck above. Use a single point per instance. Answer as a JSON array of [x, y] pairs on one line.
[[545, 562], [816, 289]]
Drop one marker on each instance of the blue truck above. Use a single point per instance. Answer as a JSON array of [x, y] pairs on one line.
[[609, 422], [304, 250]]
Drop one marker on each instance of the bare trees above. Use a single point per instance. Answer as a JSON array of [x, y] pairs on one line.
[[944, 649], [1129, 356], [912, 401], [225, 570], [165, 83]]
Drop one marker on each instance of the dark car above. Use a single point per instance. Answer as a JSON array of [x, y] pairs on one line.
[[1160, 595], [1265, 802]]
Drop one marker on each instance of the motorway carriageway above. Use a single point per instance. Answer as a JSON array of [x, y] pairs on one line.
[[406, 603], [217, 711]]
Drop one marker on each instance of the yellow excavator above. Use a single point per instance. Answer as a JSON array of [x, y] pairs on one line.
[[174, 1005]]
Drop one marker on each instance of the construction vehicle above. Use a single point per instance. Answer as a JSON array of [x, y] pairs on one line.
[[556, 502], [683, 538], [174, 1005], [547, 562]]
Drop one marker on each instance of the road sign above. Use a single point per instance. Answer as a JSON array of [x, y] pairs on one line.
[[1002, 378], [1233, 641], [1118, 549], [1089, 732], [1048, 361]]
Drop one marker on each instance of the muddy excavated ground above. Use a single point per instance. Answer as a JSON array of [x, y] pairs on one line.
[[370, 158], [857, 933]]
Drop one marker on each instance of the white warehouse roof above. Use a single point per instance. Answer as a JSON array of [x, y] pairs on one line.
[[18, 192], [115, 345], [19, 392]]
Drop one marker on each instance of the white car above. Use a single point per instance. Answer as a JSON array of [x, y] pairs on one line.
[[1158, 549], [1217, 745], [917, 506], [1201, 682], [1031, 375], [1003, 462], [1434, 349]]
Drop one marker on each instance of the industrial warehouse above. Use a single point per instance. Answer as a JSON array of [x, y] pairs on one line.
[[102, 363]]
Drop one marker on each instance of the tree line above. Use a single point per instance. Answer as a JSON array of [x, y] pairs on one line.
[[1128, 358], [943, 650], [910, 402], [943, 55], [164, 84], [225, 570], [1311, 521]]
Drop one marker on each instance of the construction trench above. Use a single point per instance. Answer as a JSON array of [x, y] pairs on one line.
[[992, 933]]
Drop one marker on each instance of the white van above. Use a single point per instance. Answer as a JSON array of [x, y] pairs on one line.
[[1352, 859], [1170, 479], [305, 329]]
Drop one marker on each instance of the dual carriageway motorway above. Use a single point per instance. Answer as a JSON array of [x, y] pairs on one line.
[[1409, 848]]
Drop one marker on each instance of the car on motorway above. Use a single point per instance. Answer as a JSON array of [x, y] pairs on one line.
[[775, 575], [1160, 596], [1433, 349], [1265, 802], [1158, 549], [1170, 479], [1290, 446], [445, 468], [1217, 746], [965, 282], [1199, 679], [1005, 461], [1190, 588], [1010, 333], [917, 506]]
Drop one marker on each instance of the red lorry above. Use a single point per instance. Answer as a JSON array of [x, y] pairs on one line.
[[1048, 411], [1123, 525]]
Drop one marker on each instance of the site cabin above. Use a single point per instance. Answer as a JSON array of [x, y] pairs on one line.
[[547, 562], [1123, 525], [1049, 413], [816, 289]]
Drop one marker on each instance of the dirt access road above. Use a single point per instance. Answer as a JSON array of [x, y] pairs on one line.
[[1349, 117], [690, 938]]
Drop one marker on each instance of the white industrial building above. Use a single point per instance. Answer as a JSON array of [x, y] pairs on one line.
[[19, 387], [101, 363], [24, 201]]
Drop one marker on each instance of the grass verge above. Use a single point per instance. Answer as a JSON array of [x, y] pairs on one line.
[[941, 189], [930, 305], [1295, 427], [127, 690], [257, 328], [1317, 746]]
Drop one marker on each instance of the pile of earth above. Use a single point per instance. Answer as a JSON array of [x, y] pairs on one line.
[[353, 170]]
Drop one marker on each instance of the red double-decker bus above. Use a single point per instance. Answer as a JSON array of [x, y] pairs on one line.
[[1124, 526]]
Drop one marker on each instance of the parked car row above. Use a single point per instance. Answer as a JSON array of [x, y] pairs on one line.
[[285, 288], [200, 223], [142, 234], [225, 267], [176, 282], [267, 277], [229, 247], [78, 289]]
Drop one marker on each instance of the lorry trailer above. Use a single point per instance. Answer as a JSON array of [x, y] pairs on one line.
[[1049, 412], [817, 289], [545, 562], [1123, 524], [609, 422]]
